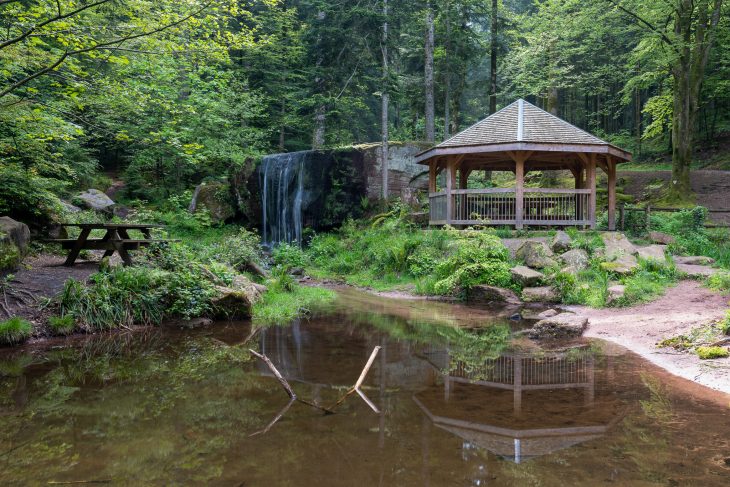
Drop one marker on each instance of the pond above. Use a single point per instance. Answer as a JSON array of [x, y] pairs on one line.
[[455, 406]]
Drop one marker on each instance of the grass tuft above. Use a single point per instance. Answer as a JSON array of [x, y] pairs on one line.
[[14, 330], [711, 352]]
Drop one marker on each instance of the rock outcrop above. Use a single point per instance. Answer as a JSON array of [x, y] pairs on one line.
[[483, 294], [95, 200], [543, 294], [536, 255], [14, 240], [216, 198], [525, 276], [236, 301]]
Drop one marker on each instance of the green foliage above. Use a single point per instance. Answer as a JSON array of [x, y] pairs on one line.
[[589, 287], [289, 256], [27, 196], [14, 330], [10, 256], [711, 352], [281, 306], [725, 323], [62, 325]]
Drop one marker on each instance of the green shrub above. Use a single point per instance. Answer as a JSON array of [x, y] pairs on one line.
[[588, 287], [28, 197], [14, 330], [62, 325], [711, 352], [289, 256], [281, 307], [719, 282], [725, 323], [10, 257]]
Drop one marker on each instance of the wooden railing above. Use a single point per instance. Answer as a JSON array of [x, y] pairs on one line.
[[498, 206]]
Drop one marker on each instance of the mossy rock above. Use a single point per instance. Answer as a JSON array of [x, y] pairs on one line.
[[217, 199]]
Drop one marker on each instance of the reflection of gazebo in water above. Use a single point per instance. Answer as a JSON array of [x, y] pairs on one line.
[[517, 406], [521, 138]]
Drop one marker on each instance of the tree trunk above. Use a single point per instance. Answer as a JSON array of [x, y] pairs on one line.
[[691, 18], [493, 60], [385, 102], [319, 127], [552, 101], [428, 75], [447, 76]]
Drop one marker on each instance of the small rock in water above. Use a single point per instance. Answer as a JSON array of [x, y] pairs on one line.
[[559, 326], [548, 313], [515, 317]]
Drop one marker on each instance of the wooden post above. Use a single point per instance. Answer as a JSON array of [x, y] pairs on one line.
[[450, 173], [463, 184], [592, 186], [432, 167], [611, 166], [622, 216], [648, 218], [519, 189]]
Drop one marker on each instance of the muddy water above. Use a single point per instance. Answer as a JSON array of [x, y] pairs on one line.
[[455, 407]]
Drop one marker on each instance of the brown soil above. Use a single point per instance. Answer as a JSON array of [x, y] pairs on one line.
[[711, 187], [43, 276], [639, 328]]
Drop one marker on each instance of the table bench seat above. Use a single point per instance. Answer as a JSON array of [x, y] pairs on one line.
[[101, 244]]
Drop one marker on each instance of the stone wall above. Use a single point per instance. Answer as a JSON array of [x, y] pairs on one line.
[[339, 180]]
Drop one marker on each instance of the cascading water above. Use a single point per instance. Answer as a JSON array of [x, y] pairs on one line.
[[282, 195]]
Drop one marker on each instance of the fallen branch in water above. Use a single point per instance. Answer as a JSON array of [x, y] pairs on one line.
[[286, 385], [276, 418], [360, 380]]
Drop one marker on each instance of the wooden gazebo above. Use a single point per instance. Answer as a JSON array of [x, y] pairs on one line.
[[521, 138]]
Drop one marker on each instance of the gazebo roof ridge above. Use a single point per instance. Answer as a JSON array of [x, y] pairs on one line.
[[522, 126]]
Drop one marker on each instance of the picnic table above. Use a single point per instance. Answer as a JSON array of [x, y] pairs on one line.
[[116, 239]]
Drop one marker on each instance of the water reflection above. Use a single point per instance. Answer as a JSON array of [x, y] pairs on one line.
[[174, 408]]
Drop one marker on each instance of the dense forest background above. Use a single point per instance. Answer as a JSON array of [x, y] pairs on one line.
[[167, 92]]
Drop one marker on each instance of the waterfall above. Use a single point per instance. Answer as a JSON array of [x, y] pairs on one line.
[[282, 196]]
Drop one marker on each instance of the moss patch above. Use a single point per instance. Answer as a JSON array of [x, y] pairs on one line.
[[711, 352]]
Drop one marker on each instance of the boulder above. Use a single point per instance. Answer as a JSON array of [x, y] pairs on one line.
[[544, 294], [526, 276], [14, 240], [69, 208], [562, 325], [696, 271], [615, 292], [694, 260], [576, 258], [617, 244], [548, 313], [483, 294], [619, 253], [561, 242], [216, 198], [536, 255], [95, 200], [237, 300], [661, 238], [652, 252]]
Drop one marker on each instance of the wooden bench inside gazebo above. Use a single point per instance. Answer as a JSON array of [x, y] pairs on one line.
[[521, 138]]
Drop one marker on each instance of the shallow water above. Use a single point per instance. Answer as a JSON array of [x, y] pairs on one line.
[[167, 407]]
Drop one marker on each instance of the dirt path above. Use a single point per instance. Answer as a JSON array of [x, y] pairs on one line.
[[44, 276], [685, 306]]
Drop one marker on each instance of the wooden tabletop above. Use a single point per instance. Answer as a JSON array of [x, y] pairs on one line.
[[113, 225]]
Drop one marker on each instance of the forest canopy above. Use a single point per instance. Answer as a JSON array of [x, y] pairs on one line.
[[169, 92]]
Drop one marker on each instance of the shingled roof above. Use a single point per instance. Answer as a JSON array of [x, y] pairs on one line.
[[522, 125]]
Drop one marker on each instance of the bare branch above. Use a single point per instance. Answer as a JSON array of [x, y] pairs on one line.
[[358, 384], [58, 17], [95, 47], [641, 21]]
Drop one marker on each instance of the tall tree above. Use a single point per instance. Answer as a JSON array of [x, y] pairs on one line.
[[385, 102], [687, 28], [428, 75], [493, 57]]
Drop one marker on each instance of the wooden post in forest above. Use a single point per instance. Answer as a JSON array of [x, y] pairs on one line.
[[450, 170], [611, 167], [432, 168], [592, 187], [519, 190]]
